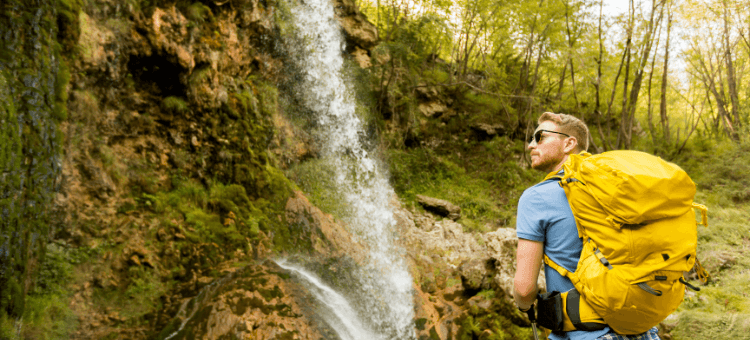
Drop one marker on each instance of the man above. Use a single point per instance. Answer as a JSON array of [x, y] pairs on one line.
[[545, 223]]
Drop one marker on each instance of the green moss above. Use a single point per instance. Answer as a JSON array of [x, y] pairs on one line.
[[29, 137], [199, 75], [199, 12], [48, 316], [269, 98], [316, 178], [175, 105], [222, 214], [60, 112], [246, 102], [283, 18], [87, 41], [68, 23]]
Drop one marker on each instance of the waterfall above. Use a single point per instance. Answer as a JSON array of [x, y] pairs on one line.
[[334, 308], [384, 290]]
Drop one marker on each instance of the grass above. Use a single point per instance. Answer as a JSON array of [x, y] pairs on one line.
[[485, 181], [721, 310]]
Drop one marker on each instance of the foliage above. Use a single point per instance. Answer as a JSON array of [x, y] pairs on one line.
[[48, 315], [722, 168]]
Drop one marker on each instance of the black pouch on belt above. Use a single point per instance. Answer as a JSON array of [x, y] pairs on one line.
[[550, 311]]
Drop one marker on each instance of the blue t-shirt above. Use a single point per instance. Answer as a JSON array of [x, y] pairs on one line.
[[544, 215]]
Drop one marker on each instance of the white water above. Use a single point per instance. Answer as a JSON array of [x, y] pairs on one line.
[[384, 290], [335, 310]]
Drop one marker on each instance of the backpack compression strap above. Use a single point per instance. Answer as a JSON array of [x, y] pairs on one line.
[[564, 272]]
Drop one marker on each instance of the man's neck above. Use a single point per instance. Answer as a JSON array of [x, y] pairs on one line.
[[559, 166]]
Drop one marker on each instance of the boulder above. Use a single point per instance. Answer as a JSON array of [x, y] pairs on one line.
[[476, 274], [433, 108], [440, 207], [487, 131]]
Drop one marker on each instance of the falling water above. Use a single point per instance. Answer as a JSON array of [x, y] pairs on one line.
[[384, 293], [334, 308]]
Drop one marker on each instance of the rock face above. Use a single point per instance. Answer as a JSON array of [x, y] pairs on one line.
[[460, 277], [166, 99], [327, 238], [175, 136], [360, 33]]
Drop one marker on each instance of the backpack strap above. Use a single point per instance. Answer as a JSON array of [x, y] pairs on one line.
[[573, 310], [560, 269]]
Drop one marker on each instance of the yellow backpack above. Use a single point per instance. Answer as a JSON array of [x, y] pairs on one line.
[[635, 215]]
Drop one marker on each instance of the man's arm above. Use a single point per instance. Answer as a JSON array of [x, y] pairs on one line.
[[528, 263]]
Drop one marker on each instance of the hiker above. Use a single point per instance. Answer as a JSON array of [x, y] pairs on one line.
[[545, 222]]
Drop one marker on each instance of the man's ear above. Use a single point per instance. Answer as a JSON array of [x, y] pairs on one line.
[[570, 144]]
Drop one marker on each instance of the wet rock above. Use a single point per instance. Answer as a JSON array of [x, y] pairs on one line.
[[426, 92], [361, 57], [256, 302], [440, 207], [318, 230]]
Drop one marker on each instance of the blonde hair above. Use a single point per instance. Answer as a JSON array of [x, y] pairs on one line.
[[570, 125]]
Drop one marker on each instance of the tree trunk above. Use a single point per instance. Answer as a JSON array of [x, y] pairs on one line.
[[561, 82], [629, 109], [597, 85], [707, 76], [651, 129], [663, 105], [571, 43], [731, 79]]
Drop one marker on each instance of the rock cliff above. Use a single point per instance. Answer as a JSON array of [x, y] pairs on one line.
[[173, 196]]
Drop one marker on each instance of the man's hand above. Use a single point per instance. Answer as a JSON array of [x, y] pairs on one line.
[[529, 261]]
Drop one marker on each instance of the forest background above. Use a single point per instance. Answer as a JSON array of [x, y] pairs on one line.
[[668, 77]]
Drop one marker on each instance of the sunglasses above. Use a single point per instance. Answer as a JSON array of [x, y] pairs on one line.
[[537, 137]]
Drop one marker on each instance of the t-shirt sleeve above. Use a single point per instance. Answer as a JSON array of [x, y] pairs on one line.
[[530, 218]]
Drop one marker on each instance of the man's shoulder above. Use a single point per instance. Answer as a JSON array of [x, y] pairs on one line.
[[543, 187]]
